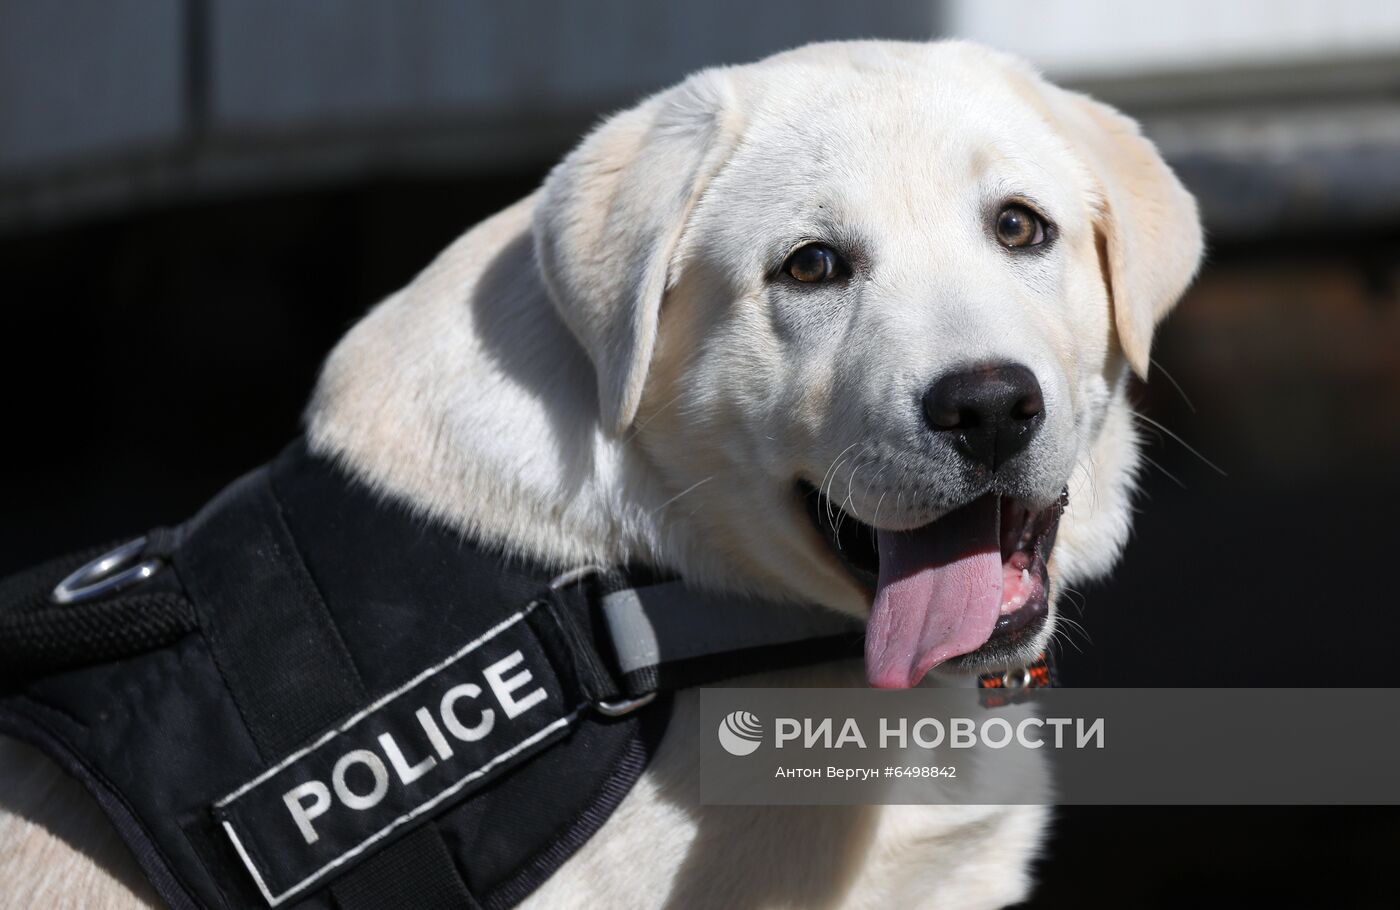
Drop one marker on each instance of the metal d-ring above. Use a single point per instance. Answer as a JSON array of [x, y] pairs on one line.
[[574, 576], [618, 707], [112, 571], [1021, 677]]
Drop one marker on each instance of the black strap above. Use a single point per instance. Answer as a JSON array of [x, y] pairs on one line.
[[290, 678], [293, 678], [710, 669], [652, 635], [417, 871]]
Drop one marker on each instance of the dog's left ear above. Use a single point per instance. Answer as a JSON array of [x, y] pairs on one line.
[[1149, 232], [609, 217]]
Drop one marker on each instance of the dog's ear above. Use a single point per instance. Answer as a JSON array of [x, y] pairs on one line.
[[1148, 230], [609, 218]]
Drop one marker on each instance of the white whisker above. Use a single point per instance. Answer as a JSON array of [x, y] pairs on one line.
[[1176, 385], [850, 483], [1186, 445], [638, 426], [1170, 476], [830, 477], [689, 489]]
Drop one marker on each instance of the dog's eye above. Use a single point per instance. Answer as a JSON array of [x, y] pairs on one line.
[[1018, 227], [813, 263]]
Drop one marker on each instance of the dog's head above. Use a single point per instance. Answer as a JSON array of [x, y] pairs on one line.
[[871, 309]]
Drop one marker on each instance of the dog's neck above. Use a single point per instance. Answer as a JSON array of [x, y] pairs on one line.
[[465, 395]]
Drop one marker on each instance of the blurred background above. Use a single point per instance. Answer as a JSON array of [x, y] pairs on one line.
[[197, 197]]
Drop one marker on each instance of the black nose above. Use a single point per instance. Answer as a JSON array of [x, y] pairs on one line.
[[989, 412]]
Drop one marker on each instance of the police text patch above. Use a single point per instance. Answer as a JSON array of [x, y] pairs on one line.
[[433, 740]]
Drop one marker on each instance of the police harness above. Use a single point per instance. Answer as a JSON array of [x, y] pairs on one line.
[[310, 695]]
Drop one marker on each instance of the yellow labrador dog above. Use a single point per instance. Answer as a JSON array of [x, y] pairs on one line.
[[851, 326]]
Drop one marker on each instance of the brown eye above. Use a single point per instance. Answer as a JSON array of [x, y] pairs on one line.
[[1018, 227], [813, 263]]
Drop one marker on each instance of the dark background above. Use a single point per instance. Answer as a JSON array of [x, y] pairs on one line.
[[161, 325]]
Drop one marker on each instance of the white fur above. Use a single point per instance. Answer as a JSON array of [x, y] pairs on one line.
[[604, 373]]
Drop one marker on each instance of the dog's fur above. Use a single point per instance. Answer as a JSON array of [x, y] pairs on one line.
[[607, 372]]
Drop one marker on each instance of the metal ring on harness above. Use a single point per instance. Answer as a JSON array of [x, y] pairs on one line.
[[1016, 679], [106, 574], [617, 707], [574, 576]]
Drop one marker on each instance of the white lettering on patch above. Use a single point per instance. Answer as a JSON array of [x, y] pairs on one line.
[[411, 755]]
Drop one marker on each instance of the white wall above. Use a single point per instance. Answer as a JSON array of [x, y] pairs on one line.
[[1071, 38]]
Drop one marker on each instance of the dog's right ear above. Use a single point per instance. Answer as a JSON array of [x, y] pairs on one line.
[[608, 220]]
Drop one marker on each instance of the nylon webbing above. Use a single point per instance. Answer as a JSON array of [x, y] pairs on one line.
[[40, 636], [417, 871], [294, 677], [668, 636]]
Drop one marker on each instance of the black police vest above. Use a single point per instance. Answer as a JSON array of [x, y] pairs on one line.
[[309, 695]]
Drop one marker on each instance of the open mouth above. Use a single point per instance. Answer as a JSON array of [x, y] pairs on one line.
[[972, 586]]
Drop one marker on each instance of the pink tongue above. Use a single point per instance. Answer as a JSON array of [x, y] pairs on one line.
[[939, 594]]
